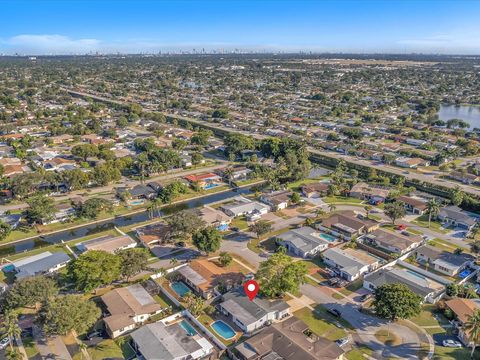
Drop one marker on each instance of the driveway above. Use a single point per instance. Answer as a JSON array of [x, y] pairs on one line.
[[366, 326], [52, 348], [237, 243]]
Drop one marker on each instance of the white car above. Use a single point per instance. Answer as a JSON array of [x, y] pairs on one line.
[[4, 342], [452, 343], [342, 342]]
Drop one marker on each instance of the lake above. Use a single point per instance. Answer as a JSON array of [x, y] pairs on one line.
[[470, 114]]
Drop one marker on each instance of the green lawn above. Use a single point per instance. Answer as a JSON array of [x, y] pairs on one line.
[[352, 287], [357, 353], [321, 323], [239, 222], [29, 346], [112, 349], [342, 200], [434, 225]]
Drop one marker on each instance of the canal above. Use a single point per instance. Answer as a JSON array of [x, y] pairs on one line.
[[120, 221]]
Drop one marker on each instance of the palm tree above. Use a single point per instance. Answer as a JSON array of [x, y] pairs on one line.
[[433, 208], [173, 261], [10, 326], [13, 354], [83, 350], [472, 328], [332, 207], [228, 172]]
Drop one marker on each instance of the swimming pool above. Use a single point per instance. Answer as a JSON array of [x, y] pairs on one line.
[[327, 237], [180, 288], [210, 186], [223, 329], [188, 328]]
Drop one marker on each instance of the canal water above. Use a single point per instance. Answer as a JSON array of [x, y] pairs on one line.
[[119, 221], [470, 114]]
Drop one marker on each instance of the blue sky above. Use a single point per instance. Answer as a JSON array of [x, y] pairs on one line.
[[68, 27]]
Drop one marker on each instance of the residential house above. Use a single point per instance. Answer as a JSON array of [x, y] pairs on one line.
[[63, 212], [251, 315], [127, 307], [205, 276], [443, 261], [305, 241], [238, 173], [374, 194], [413, 205], [176, 340], [315, 190], [154, 234], [454, 216], [347, 225], [141, 191], [463, 309], [205, 180], [44, 263], [465, 178], [428, 289], [392, 242], [214, 217], [349, 263], [288, 340], [243, 206], [11, 219], [108, 243], [277, 200], [411, 163]]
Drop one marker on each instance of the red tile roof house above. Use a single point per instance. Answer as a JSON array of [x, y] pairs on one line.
[[204, 180]]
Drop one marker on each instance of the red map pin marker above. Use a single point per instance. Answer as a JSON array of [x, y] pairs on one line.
[[251, 289]]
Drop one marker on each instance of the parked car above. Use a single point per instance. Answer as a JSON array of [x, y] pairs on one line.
[[335, 312], [4, 342], [180, 244], [333, 281], [452, 343], [94, 334], [342, 342], [365, 297]]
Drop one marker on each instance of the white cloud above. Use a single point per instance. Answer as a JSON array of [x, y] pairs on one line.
[[50, 44]]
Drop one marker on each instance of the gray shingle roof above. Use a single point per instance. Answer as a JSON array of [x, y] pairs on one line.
[[303, 238], [42, 265]]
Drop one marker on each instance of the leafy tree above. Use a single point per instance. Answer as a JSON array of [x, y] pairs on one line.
[[91, 208], [475, 247], [295, 198], [171, 191], [433, 208], [261, 227], [184, 223], [104, 174], [280, 274], [13, 354], [62, 314], [394, 211], [207, 239], [85, 151], [367, 209], [451, 290], [5, 230], [457, 196], [29, 291], [193, 303], [472, 327], [41, 208], [396, 301], [132, 262], [93, 269], [76, 179], [225, 259]]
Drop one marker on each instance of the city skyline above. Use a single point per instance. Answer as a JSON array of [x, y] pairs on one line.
[[82, 27]]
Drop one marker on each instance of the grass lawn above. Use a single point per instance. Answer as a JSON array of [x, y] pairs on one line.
[[352, 287], [434, 225], [445, 245], [357, 353], [342, 200], [297, 185], [320, 322], [29, 346], [112, 349], [239, 222]]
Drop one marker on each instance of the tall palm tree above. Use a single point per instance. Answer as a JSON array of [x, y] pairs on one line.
[[10, 326], [228, 172], [433, 208], [332, 207], [472, 328], [368, 208]]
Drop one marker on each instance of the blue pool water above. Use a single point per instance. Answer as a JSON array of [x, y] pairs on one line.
[[210, 186], [180, 288], [464, 273], [188, 328], [327, 237], [222, 329]]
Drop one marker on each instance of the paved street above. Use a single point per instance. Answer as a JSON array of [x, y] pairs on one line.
[[366, 326]]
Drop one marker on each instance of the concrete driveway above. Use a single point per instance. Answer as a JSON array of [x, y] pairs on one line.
[[366, 326]]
